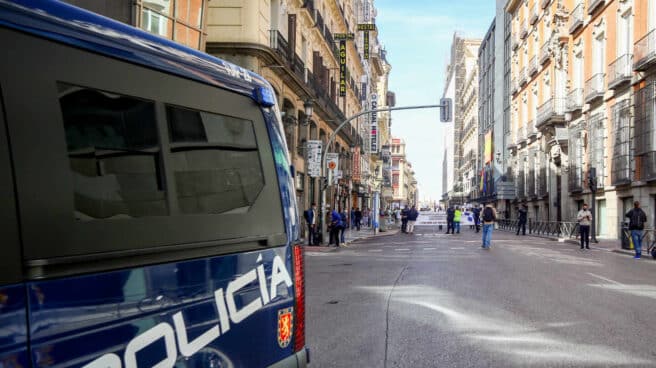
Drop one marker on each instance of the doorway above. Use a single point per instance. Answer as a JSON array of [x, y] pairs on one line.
[[601, 218]]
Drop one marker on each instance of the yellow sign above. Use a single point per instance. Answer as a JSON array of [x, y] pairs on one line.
[[366, 27], [488, 147]]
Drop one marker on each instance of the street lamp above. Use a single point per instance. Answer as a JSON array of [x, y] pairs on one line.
[[308, 107]]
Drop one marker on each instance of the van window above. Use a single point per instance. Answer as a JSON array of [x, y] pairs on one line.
[[215, 161], [114, 156]]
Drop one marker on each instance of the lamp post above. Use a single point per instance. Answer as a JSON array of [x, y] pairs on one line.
[[445, 116]]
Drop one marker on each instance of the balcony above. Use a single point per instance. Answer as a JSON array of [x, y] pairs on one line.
[[523, 32], [533, 66], [645, 52], [575, 100], [594, 87], [534, 13], [514, 42], [545, 53], [552, 111], [523, 77], [309, 5], [594, 5], [531, 132], [576, 18], [544, 3], [521, 135], [514, 86], [620, 71]]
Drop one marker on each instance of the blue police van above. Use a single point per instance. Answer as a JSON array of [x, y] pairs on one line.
[[148, 215]]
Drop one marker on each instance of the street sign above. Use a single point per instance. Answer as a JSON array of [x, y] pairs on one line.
[[342, 68], [332, 161], [314, 158]]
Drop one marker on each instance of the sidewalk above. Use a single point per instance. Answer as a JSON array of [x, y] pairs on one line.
[[610, 245], [351, 236]]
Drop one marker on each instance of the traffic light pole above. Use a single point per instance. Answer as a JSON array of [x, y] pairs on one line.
[[324, 184]]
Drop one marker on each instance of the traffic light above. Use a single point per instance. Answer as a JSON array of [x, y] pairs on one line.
[[446, 113]]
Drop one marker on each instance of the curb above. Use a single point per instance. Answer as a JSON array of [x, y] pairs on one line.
[[386, 233]]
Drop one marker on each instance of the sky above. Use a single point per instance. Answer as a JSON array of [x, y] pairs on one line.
[[417, 35]]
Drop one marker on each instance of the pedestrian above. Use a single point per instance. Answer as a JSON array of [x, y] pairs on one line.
[[311, 219], [365, 217], [344, 219], [522, 215], [352, 218], [412, 218], [358, 218], [489, 218], [450, 213], [404, 219], [457, 215], [584, 219], [477, 218], [335, 226], [637, 220]]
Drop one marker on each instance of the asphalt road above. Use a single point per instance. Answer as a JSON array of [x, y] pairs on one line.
[[437, 300]]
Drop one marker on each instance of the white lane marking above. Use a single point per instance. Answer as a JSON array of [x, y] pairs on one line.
[[605, 279], [402, 249], [375, 250], [430, 248], [458, 248]]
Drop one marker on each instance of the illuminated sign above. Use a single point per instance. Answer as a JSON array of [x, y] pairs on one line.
[[366, 45], [343, 36], [366, 27]]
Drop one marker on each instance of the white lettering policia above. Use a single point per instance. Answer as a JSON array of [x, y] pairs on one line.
[[227, 311]]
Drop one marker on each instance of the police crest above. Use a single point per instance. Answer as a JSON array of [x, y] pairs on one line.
[[285, 325]]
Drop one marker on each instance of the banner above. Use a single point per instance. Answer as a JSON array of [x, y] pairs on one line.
[[313, 158], [342, 68], [356, 165], [430, 218], [488, 147], [374, 124]]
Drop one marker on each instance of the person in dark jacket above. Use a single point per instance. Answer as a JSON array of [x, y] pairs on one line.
[[477, 218], [404, 219], [358, 218], [311, 219], [450, 214], [637, 219], [344, 226], [523, 216], [413, 214], [335, 226]]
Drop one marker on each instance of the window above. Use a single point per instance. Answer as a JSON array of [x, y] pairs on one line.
[[114, 154], [596, 142], [624, 34], [645, 133], [179, 20], [215, 161], [598, 59], [622, 150], [576, 158], [577, 67]]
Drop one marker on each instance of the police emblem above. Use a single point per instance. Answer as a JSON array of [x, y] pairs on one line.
[[285, 325]]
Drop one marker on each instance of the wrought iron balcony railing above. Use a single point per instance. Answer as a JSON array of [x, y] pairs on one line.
[[620, 71], [544, 52], [533, 66], [575, 99], [523, 76], [594, 4], [594, 87], [523, 32], [576, 18], [534, 13], [645, 52], [552, 111]]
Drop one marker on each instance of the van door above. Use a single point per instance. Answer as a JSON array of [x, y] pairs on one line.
[[13, 315]]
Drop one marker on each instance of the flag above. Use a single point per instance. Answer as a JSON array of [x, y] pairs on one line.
[[481, 186]]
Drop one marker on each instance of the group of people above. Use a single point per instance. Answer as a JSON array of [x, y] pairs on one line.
[[483, 215], [337, 221], [408, 218]]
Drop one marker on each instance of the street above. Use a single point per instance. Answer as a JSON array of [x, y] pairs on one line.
[[437, 300]]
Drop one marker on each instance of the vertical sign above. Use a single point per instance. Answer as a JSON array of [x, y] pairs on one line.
[[314, 158], [332, 163], [356, 164], [291, 37], [342, 68], [366, 28], [488, 147], [374, 124], [366, 45]]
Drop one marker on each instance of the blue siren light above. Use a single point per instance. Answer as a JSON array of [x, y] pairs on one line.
[[264, 96]]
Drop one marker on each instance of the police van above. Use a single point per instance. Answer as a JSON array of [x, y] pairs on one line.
[[148, 215]]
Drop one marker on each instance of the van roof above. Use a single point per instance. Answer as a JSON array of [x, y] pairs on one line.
[[80, 28]]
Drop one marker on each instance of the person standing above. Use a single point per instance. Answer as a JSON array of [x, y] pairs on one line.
[[457, 215], [522, 215], [489, 218], [477, 218], [358, 218], [413, 214], [335, 226], [344, 219], [404, 219], [311, 219], [365, 217], [352, 218], [450, 213], [584, 218], [637, 219]]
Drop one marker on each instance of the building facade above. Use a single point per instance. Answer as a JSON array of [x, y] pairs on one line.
[[404, 183], [583, 106], [462, 84]]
